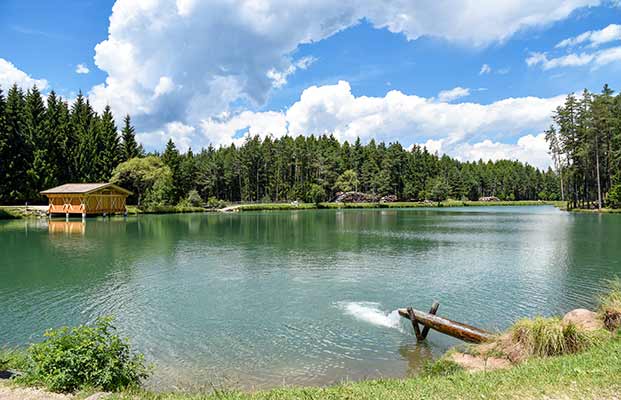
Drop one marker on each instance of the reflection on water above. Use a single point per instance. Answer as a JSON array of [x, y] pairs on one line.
[[261, 299], [69, 227]]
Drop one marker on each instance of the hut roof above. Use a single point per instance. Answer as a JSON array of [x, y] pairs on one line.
[[83, 188]]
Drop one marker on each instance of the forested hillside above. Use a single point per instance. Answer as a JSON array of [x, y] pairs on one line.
[[46, 143]]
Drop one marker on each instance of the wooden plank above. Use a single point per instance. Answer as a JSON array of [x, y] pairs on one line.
[[455, 329]]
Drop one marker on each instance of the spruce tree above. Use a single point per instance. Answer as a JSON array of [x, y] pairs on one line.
[[129, 146], [40, 169], [18, 150], [110, 155]]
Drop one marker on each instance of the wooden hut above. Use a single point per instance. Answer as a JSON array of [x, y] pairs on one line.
[[87, 199]]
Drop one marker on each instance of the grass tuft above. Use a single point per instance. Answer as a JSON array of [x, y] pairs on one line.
[[610, 305], [544, 337], [441, 367]]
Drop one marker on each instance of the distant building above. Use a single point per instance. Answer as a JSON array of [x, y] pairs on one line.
[[87, 199]]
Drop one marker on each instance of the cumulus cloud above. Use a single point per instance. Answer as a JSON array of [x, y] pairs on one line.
[[453, 94], [485, 69], [532, 149], [10, 75], [440, 126], [608, 34], [596, 59], [180, 133], [81, 69], [189, 60]]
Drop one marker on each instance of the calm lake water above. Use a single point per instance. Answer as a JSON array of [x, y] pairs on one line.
[[255, 300]]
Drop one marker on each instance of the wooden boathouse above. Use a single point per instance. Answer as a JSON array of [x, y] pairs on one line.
[[87, 199]]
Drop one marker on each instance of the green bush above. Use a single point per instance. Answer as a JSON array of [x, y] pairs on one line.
[[214, 203], [71, 359], [613, 199]]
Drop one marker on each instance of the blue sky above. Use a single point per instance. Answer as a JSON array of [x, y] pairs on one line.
[[213, 71]]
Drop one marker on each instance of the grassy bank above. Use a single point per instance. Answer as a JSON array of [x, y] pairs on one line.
[[7, 213], [593, 374], [134, 210], [399, 204]]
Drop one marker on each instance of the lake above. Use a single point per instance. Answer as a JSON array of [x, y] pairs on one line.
[[254, 300]]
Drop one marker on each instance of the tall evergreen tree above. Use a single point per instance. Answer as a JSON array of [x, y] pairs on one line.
[[110, 155], [129, 146]]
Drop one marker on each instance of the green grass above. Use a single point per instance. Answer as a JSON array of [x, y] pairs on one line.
[[593, 374], [134, 210], [6, 213], [610, 305], [399, 204], [544, 337]]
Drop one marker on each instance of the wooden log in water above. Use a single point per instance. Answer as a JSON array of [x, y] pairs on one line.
[[455, 329], [433, 310], [412, 318]]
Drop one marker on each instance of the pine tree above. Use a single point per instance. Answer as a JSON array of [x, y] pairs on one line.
[[17, 151], [129, 146], [40, 169], [110, 155]]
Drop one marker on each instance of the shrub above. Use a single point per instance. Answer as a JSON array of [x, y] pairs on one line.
[[613, 199], [213, 202], [545, 337], [610, 305], [71, 359]]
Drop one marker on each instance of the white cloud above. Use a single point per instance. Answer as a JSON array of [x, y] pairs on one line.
[[220, 52], [441, 126], [596, 59], [608, 34], [10, 75], [453, 94], [82, 69], [532, 149], [180, 133], [485, 69], [279, 78]]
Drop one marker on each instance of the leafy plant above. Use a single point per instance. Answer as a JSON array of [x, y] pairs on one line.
[[613, 199], [86, 356]]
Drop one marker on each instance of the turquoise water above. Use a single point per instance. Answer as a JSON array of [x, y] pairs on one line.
[[255, 300]]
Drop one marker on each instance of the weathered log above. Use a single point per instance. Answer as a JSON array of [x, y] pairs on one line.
[[412, 318], [433, 310], [455, 329]]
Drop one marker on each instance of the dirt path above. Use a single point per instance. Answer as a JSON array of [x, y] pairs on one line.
[[8, 392]]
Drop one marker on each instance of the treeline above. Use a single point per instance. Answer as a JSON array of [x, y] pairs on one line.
[[48, 143], [585, 143], [313, 169]]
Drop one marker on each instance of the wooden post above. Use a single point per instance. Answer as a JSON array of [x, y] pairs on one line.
[[412, 317], [448, 327], [433, 310]]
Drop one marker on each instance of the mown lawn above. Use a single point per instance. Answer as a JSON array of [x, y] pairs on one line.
[[595, 374]]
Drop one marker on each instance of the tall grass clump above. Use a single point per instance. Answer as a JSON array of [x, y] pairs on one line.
[[87, 356], [543, 337], [610, 305]]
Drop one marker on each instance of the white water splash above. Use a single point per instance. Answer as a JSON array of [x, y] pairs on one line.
[[370, 312]]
